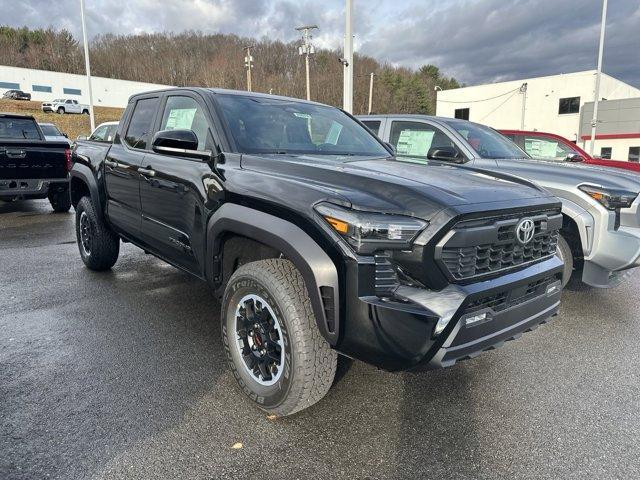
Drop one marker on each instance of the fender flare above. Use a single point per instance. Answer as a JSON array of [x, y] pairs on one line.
[[318, 270], [584, 221], [85, 174]]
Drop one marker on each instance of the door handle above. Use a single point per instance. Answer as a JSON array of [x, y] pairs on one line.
[[15, 153], [110, 164], [147, 172]]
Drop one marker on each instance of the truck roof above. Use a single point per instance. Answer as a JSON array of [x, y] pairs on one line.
[[16, 115]]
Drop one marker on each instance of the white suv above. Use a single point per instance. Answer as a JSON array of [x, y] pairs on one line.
[[65, 105]]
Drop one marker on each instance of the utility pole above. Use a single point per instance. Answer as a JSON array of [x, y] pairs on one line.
[[87, 66], [307, 49], [523, 91], [248, 63], [371, 75], [594, 120], [347, 61]]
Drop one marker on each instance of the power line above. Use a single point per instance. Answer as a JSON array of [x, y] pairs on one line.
[[506, 100], [484, 99]]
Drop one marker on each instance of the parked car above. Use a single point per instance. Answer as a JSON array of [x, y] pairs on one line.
[[600, 236], [103, 133], [30, 166], [318, 240], [548, 146], [65, 105], [16, 95], [52, 134]]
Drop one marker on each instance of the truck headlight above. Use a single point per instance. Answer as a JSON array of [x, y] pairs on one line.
[[367, 232], [611, 199]]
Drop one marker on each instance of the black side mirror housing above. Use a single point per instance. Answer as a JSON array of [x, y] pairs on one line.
[[574, 158], [447, 154], [178, 142]]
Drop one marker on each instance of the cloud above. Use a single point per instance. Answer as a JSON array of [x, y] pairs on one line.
[[476, 41]]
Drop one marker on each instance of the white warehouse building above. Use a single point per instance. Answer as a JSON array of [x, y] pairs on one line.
[[548, 104], [45, 85]]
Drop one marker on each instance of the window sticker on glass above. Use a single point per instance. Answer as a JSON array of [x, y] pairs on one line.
[[415, 142], [334, 133], [180, 118], [541, 148]]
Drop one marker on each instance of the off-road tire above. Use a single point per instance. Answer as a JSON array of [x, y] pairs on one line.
[[563, 251], [310, 363], [60, 201], [104, 244]]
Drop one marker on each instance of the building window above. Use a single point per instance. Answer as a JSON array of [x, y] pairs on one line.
[[72, 91], [634, 154], [569, 105], [10, 85], [41, 88], [462, 113], [605, 152]]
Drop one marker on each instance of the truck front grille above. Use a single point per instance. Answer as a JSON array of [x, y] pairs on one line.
[[478, 248]]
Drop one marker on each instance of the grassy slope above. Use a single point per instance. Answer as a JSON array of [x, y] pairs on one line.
[[72, 125]]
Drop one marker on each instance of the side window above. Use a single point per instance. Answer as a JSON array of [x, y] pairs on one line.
[[461, 113], [99, 134], [569, 105], [605, 153], [185, 113], [546, 148], [634, 154], [111, 133], [373, 125], [69, 101], [415, 139], [141, 123]]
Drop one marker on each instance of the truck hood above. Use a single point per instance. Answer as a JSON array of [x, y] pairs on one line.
[[571, 174], [398, 186]]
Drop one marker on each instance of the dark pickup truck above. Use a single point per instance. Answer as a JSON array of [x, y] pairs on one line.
[[318, 240], [30, 166]]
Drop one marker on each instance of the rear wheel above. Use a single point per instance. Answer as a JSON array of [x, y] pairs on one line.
[[564, 253], [99, 246], [273, 345], [60, 201]]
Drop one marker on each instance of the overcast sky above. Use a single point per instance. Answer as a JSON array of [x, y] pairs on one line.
[[476, 41]]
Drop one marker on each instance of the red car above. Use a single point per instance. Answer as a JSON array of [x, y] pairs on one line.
[[549, 146]]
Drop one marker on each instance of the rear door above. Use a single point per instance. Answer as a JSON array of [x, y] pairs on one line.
[[122, 163], [172, 187]]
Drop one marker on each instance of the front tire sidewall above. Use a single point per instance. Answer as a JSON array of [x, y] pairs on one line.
[[267, 397], [563, 252]]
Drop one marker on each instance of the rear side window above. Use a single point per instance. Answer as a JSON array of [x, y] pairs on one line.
[[184, 113], [373, 125], [50, 130], [547, 148], [19, 128], [141, 123]]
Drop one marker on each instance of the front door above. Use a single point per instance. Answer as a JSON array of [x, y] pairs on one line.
[[172, 189], [121, 166]]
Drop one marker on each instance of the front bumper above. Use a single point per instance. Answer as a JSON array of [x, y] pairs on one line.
[[47, 108], [399, 333], [29, 188]]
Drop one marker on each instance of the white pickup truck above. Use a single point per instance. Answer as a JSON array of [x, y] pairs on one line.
[[65, 105]]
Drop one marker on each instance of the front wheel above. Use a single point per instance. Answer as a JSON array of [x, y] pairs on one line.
[[60, 110], [273, 345], [564, 253], [85, 112], [99, 246]]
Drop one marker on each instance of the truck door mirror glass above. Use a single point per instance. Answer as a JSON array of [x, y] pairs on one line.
[[178, 142], [444, 153]]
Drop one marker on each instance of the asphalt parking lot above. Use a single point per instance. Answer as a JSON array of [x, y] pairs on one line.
[[121, 375]]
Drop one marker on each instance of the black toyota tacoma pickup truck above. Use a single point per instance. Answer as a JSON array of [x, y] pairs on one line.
[[30, 166], [317, 239]]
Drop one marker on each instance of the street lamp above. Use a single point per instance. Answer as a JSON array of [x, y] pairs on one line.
[[307, 49], [347, 61], [87, 66], [248, 63], [594, 120]]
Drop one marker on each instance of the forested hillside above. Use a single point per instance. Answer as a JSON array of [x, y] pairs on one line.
[[217, 60]]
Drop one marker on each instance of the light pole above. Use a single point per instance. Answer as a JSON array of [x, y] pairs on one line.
[[594, 120], [371, 75], [306, 49], [523, 91], [347, 61], [87, 66], [248, 63]]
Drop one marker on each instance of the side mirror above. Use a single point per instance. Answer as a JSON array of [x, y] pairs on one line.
[[574, 158], [65, 135], [390, 147], [81, 137], [447, 154], [178, 142]]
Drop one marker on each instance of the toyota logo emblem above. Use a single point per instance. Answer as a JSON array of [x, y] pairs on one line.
[[525, 230]]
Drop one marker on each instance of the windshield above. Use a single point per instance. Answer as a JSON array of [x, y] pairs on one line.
[[486, 141], [268, 125], [18, 128], [50, 130]]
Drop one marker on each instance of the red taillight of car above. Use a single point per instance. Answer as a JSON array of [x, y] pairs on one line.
[[67, 154]]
